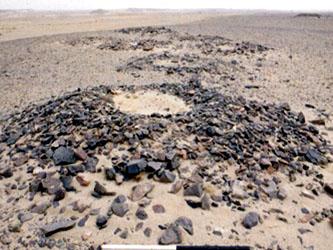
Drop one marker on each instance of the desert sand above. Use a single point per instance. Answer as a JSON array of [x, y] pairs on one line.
[[263, 57]]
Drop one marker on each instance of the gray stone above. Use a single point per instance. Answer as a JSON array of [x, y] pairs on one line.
[[139, 191], [119, 206], [57, 226], [251, 220], [194, 190], [64, 156], [185, 223], [172, 235]]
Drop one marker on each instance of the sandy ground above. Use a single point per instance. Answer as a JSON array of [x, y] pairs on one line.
[[299, 71]]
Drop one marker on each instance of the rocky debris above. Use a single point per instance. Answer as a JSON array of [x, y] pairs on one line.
[[40, 208], [134, 167], [251, 220], [167, 176], [172, 235], [64, 156], [83, 180], [194, 190], [185, 223], [6, 173], [141, 214], [147, 232], [328, 187], [238, 191], [57, 226], [100, 190], [158, 209], [14, 225], [24, 217], [176, 187], [101, 221], [140, 191], [119, 206]]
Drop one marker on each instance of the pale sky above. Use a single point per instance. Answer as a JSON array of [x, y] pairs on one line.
[[323, 5]]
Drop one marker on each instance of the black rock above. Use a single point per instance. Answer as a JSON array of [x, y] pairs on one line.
[[154, 166], [101, 221], [64, 156], [7, 173], [251, 220], [135, 167], [59, 194], [61, 225], [314, 156]]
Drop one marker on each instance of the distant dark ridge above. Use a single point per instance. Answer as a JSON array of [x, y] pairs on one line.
[[309, 15], [98, 12]]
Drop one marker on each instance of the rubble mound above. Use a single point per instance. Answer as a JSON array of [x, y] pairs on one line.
[[218, 151]]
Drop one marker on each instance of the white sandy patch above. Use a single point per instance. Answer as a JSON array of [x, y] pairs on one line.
[[149, 102]]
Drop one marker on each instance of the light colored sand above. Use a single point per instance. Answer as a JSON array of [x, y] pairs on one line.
[[149, 102]]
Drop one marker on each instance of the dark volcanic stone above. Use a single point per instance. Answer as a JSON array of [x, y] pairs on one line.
[[61, 225], [59, 194], [64, 156], [135, 167], [329, 188], [7, 173], [251, 220], [110, 174], [194, 190], [101, 221]]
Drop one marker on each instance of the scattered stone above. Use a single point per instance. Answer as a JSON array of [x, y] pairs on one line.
[[141, 214], [194, 190], [158, 209], [140, 191], [83, 180], [101, 221], [307, 194], [147, 232], [24, 217], [205, 202], [40, 208], [64, 156], [175, 188], [251, 220], [14, 226], [119, 206], [185, 223], [7, 173], [59, 194], [238, 191], [101, 190], [124, 234], [57, 226], [135, 167], [282, 193], [172, 235], [329, 188], [167, 176]]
